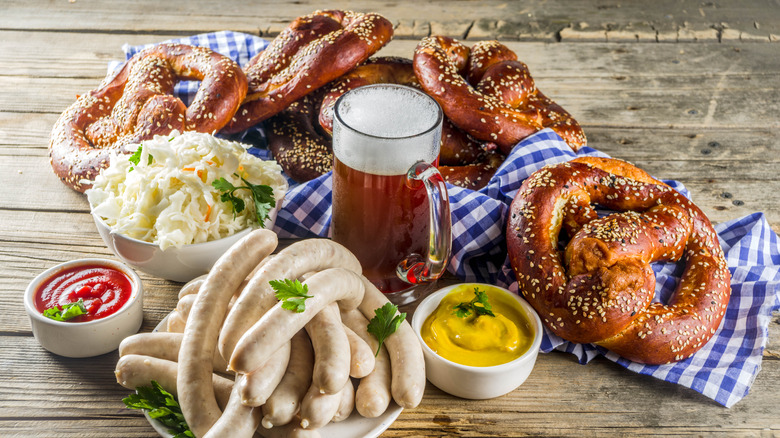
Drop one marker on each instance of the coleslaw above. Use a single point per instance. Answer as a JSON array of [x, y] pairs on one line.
[[164, 192]]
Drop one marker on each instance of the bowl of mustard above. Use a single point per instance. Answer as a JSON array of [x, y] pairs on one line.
[[479, 341]]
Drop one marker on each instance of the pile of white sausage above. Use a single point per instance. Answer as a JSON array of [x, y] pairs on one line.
[[236, 359]]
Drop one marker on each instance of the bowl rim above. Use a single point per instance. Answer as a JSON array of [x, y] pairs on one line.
[[34, 284], [529, 355], [151, 245]]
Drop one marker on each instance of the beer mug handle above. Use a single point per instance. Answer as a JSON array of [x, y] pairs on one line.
[[417, 268]]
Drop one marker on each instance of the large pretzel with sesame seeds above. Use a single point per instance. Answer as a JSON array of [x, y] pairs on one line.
[[493, 96], [302, 150], [314, 50], [136, 104], [600, 289]]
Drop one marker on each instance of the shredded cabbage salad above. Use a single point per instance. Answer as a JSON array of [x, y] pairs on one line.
[[164, 194]]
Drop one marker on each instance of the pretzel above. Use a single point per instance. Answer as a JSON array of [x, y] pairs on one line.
[[314, 50], [136, 105], [498, 102], [300, 148], [600, 290]]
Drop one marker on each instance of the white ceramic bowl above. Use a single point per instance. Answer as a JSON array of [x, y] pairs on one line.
[[91, 338], [177, 264], [476, 382]]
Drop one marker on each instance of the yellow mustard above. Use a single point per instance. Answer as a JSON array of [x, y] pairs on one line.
[[478, 340]]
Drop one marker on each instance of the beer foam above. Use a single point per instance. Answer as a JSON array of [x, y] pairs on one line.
[[385, 129]]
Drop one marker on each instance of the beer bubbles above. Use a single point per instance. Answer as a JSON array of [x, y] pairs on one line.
[[382, 128]]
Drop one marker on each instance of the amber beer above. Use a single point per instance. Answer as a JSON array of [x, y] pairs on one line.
[[389, 200]]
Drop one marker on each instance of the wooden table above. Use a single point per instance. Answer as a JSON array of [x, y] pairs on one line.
[[687, 90]]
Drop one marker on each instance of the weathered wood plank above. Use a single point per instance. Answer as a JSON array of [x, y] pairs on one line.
[[667, 20], [89, 54]]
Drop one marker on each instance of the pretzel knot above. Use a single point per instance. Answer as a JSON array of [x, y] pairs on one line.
[[136, 104], [296, 141], [314, 50], [601, 289], [492, 96]]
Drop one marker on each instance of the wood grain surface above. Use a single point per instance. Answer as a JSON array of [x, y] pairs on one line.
[[688, 90]]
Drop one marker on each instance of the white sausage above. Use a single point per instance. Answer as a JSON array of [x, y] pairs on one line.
[[202, 330], [134, 370], [285, 401], [406, 356], [331, 350], [176, 322], [192, 286], [373, 393], [361, 356], [177, 319], [163, 345], [346, 404], [238, 420], [317, 409], [256, 387], [290, 263], [278, 324]]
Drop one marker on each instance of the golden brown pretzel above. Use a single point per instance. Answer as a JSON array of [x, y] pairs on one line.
[[136, 104], [314, 50], [600, 289], [499, 103]]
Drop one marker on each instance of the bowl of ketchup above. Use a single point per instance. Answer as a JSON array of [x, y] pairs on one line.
[[84, 307]]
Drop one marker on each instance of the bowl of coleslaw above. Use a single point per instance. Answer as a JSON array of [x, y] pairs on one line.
[[178, 202]]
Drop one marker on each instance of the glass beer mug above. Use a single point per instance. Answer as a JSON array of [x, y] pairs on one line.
[[390, 204]]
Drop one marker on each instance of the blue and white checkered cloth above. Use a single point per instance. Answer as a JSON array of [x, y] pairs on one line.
[[723, 370]]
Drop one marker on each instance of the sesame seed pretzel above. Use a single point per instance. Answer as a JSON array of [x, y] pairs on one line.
[[601, 288], [492, 97], [136, 104], [314, 50], [302, 150], [463, 161]]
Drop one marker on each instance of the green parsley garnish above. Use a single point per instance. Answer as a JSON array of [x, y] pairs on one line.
[[292, 294], [479, 305], [162, 406], [262, 195], [68, 311], [136, 157], [385, 323]]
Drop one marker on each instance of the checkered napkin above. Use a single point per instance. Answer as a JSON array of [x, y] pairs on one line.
[[723, 370]]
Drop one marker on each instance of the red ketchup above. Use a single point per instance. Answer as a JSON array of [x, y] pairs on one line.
[[104, 291]]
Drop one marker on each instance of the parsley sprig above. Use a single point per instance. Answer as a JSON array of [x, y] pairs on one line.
[[385, 323], [292, 294], [479, 305], [136, 157], [161, 406], [67, 312], [262, 195]]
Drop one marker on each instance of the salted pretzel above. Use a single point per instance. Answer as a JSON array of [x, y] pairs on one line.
[[601, 288], [297, 143], [463, 161], [136, 104], [314, 50], [493, 97]]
